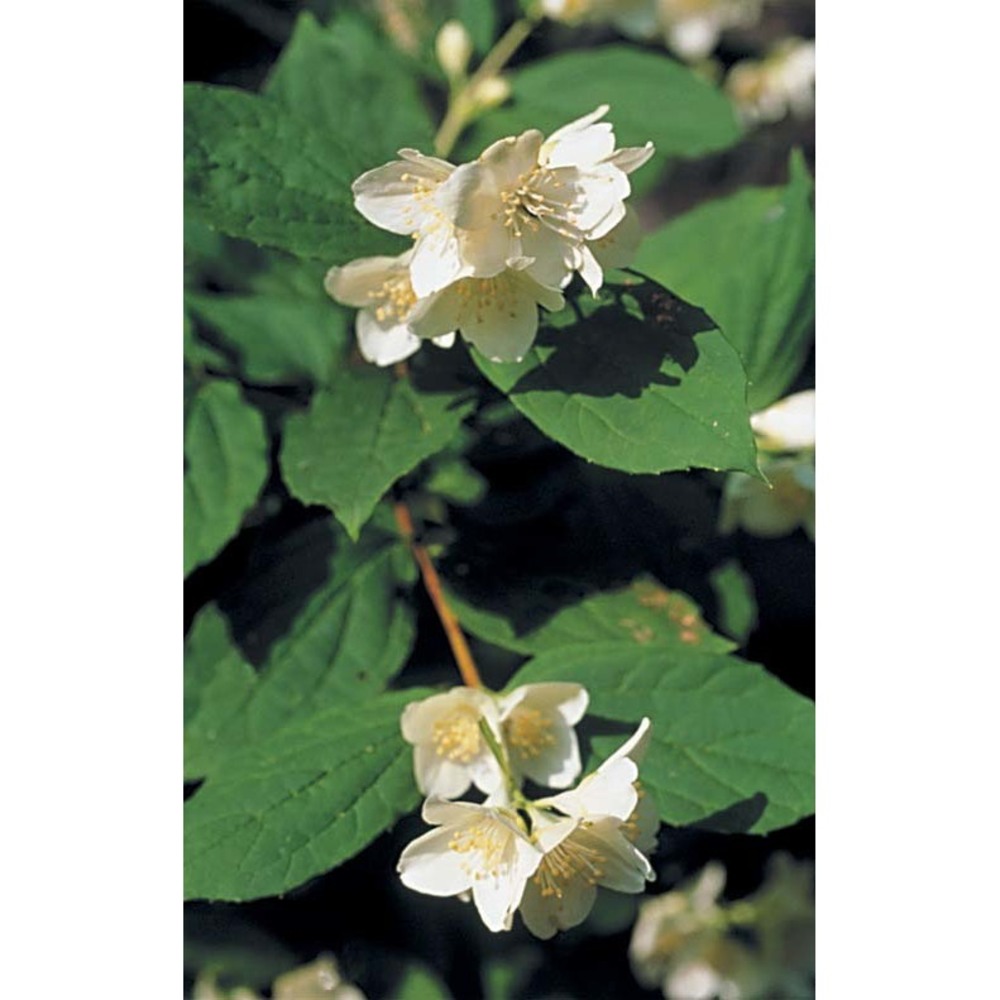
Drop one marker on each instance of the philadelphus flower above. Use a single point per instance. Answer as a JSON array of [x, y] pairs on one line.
[[483, 849], [320, 978], [534, 723], [783, 83], [589, 839], [493, 239], [787, 431]]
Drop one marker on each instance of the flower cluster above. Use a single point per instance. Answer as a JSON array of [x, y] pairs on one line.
[[493, 239], [783, 83], [786, 439], [545, 857], [320, 978], [684, 940]]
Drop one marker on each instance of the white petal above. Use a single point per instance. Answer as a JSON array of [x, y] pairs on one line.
[[635, 747], [569, 700], [399, 195], [582, 147], [445, 340], [436, 775], [694, 37], [590, 269], [618, 247], [788, 425], [502, 325], [578, 125], [544, 916], [551, 254], [437, 261], [511, 158], [497, 896], [354, 284], [644, 824], [384, 345], [623, 868], [428, 865], [632, 157]]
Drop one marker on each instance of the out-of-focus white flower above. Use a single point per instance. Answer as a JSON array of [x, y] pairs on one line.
[[380, 288], [453, 48], [531, 202], [482, 849], [450, 752], [788, 425], [489, 93], [498, 314], [781, 84], [318, 979], [788, 499], [537, 723], [585, 836], [409, 196]]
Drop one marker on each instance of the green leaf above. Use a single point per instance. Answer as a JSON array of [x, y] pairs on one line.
[[419, 983], [225, 457], [456, 481], [347, 81], [252, 170], [644, 614], [480, 19], [300, 802], [651, 98], [348, 642], [732, 747], [197, 354], [638, 381], [280, 340], [749, 260], [359, 437], [737, 604]]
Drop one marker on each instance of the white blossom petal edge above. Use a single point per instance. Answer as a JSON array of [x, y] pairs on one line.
[[482, 849]]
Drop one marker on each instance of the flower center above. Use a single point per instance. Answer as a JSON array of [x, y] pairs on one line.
[[527, 204], [394, 298], [568, 861], [488, 839], [528, 731], [457, 735], [479, 296]]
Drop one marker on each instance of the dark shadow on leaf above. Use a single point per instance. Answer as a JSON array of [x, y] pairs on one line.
[[618, 345], [740, 817]]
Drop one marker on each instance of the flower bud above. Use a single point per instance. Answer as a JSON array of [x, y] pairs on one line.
[[490, 92], [454, 49]]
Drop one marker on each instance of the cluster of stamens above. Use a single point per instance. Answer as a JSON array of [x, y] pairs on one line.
[[566, 862], [524, 206], [487, 839], [395, 298], [529, 731], [457, 736]]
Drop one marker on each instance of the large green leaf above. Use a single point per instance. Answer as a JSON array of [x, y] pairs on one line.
[[749, 261], [351, 638], [300, 802], [280, 340], [359, 437], [651, 98], [253, 170], [644, 614], [347, 81], [635, 380], [225, 458], [732, 747]]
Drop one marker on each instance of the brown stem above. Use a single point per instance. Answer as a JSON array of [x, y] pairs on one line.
[[456, 638]]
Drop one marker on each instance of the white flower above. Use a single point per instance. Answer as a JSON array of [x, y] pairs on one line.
[[453, 48], [692, 27], [409, 196], [450, 752], [788, 425], [482, 849], [781, 84], [380, 288], [537, 722], [320, 978], [585, 836], [499, 314], [530, 202], [788, 499]]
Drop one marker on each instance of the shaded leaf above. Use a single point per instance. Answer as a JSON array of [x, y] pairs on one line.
[[636, 380], [359, 437], [225, 456], [280, 340], [737, 604], [749, 260]]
